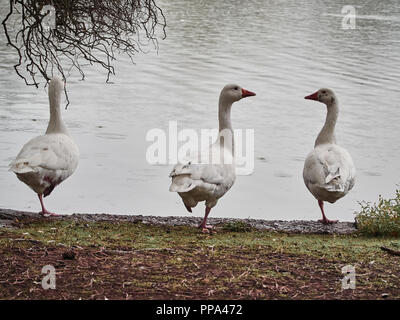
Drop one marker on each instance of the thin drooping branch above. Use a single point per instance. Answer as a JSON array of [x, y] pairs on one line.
[[58, 35]]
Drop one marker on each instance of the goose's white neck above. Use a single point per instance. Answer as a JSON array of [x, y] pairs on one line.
[[327, 134], [56, 124], [225, 136]]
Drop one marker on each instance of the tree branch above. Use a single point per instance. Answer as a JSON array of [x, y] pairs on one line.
[[85, 30]]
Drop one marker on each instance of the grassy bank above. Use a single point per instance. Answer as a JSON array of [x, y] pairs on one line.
[[98, 260]]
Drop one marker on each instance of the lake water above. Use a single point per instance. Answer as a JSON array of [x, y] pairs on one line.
[[282, 50]]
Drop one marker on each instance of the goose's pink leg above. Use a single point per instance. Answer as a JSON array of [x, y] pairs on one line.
[[205, 228], [324, 219], [44, 212]]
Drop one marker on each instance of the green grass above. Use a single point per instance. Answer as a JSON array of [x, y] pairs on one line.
[[237, 226], [155, 261], [350, 248], [381, 218]]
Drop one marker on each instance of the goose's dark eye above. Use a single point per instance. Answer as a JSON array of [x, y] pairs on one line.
[[236, 88], [323, 92]]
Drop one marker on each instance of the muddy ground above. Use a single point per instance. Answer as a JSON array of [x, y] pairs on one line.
[[97, 259]]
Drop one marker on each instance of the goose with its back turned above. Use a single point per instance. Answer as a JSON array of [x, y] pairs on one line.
[[46, 161]]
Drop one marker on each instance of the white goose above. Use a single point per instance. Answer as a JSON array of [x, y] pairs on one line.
[[201, 179], [46, 161], [329, 172]]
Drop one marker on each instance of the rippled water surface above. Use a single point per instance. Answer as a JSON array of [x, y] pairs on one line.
[[282, 50]]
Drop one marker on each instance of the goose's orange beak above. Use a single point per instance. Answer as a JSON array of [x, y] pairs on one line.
[[246, 93], [313, 96]]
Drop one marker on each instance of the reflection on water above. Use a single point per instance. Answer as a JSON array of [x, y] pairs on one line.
[[281, 50]]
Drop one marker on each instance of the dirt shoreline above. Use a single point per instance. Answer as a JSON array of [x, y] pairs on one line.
[[102, 256], [9, 218]]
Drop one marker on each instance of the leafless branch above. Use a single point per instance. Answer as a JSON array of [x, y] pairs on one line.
[[95, 31]]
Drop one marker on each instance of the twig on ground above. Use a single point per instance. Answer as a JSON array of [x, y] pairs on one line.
[[391, 251]]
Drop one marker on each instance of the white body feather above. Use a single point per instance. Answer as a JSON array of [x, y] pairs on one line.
[[196, 181], [329, 172], [46, 161]]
